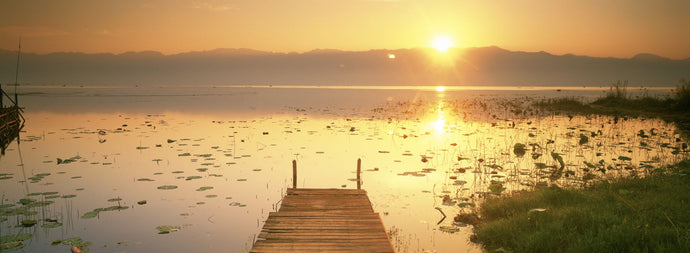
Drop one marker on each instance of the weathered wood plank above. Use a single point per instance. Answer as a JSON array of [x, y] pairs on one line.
[[324, 220]]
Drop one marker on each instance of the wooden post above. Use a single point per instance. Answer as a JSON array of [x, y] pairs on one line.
[[1, 97], [359, 170], [294, 174]]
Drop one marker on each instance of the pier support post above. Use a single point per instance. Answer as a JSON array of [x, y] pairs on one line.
[[294, 174], [359, 171]]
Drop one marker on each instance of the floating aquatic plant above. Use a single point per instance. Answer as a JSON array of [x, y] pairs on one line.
[[77, 242], [51, 225], [167, 187], [166, 229], [204, 188], [519, 149], [13, 242], [449, 229], [192, 177], [28, 223]]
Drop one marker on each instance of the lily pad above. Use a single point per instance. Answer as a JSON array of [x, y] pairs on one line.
[[115, 208], [167, 187], [29, 223], [114, 200], [449, 229], [166, 229], [142, 202], [89, 215], [624, 158], [192, 177], [204, 188], [13, 242], [26, 201], [519, 149], [78, 243]]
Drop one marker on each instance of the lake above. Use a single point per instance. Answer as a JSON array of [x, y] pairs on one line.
[[198, 169]]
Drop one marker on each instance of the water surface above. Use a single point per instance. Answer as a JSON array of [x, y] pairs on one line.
[[226, 153]]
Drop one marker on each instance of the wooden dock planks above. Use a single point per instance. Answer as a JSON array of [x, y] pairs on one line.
[[324, 220]]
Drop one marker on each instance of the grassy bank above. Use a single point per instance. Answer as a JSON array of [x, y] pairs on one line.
[[647, 214], [618, 102], [625, 215]]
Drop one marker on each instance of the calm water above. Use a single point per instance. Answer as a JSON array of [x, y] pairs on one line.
[[227, 153]]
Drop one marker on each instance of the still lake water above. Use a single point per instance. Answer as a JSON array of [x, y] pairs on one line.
[[214, 161]]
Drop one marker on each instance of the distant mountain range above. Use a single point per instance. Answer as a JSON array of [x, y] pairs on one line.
[[421, 66]]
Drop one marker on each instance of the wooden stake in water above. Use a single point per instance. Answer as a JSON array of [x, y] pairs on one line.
[[359, 170], [16, 73], [294, 174]]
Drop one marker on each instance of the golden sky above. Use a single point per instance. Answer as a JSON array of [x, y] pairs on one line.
[[607, 28]]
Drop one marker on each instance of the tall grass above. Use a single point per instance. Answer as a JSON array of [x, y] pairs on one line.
[[683, 96], [618, 99], [618, 90], [625, 215]]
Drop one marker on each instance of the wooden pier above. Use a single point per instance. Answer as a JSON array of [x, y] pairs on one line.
[[11, 120], [324, 220]]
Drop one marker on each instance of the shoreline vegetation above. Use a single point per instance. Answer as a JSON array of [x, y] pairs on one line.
[[636, 214], [619, 103]]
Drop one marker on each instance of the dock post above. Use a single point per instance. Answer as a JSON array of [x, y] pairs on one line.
[[359, 170], [294, 174], [1, 93]]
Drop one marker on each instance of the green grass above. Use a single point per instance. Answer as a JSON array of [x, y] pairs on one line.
[[618, 102], [624, 215]]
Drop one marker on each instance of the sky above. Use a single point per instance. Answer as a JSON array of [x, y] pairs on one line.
[[601, 28]]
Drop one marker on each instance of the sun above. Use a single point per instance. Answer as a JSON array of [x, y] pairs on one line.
[[442, 43]]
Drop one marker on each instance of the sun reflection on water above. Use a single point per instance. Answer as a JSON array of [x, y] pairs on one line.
[[440, 149]]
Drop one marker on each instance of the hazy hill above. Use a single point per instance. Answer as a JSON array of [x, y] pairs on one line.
[[472, 66]]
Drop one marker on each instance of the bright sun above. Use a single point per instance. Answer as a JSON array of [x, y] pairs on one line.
[[442, 43]]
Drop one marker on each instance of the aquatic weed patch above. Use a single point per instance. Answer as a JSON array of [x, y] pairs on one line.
[[13, 242]]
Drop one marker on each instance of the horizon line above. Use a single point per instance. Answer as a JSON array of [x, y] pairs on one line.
[[317, 50]]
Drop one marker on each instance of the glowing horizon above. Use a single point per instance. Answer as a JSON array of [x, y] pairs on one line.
[[610, 29]]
